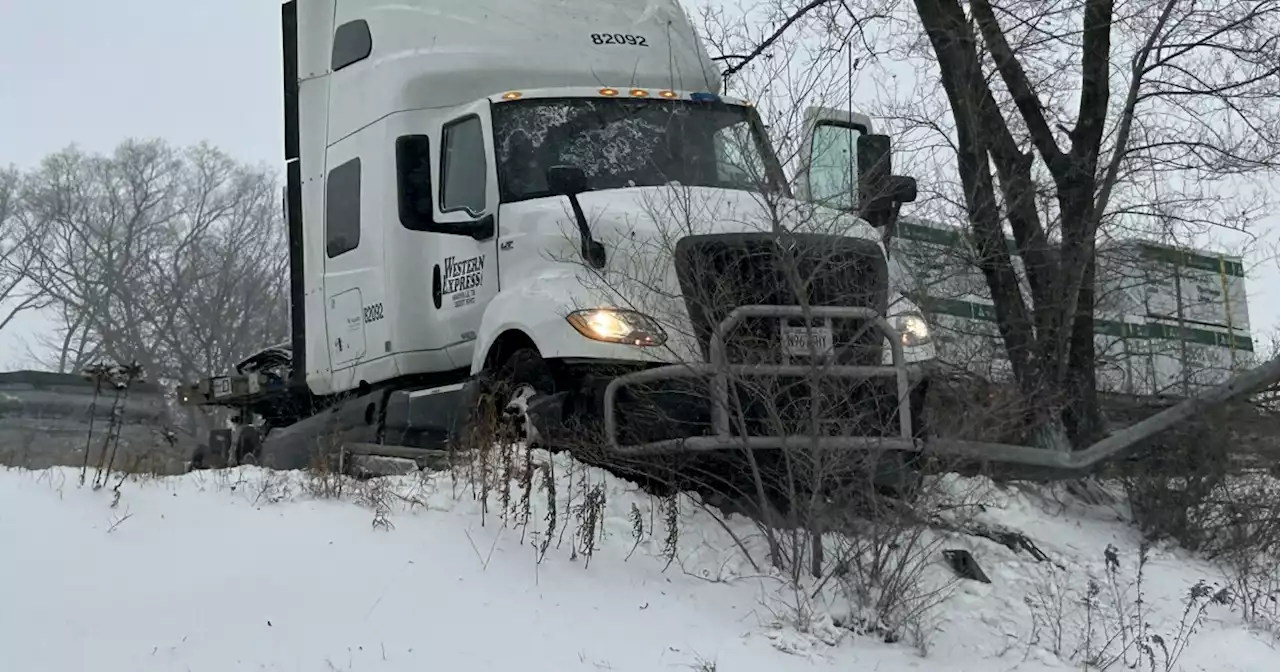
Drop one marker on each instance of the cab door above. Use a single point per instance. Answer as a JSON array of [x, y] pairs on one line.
[[464, 274], [829, 158], [352, 253], [845, 167]]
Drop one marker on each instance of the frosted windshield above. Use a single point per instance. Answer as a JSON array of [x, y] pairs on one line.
[[629, 143]]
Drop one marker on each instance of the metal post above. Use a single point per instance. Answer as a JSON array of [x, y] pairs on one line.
[[720, 382]]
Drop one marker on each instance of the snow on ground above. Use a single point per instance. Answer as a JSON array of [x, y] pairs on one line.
[[254, 570]]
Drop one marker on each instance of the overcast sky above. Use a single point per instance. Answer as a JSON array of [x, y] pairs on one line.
[[94, 73]]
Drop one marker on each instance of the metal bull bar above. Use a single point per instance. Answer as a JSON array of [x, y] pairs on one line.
[[719, 369]]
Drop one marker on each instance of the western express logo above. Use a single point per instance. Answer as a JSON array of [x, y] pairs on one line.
[[462, 274]]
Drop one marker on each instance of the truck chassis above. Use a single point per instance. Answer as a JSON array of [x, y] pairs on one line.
[[587, 413]]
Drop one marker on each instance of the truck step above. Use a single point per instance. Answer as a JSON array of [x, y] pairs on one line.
[[423, 458], [369, 466]]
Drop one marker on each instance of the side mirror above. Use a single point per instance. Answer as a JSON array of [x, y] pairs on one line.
[[846, 167], [880, 192], [878, 187], [875, 167], [903, 189], [566, 180]]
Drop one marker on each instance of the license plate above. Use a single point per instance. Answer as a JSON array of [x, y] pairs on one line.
[[221, 386], [803, 341]]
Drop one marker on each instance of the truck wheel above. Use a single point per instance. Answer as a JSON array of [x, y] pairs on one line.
[[249, 447], [521, 377], [198, 457]]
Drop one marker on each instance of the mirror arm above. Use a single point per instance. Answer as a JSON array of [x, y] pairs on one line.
[[592, 250], [890, 227], [569, 181]]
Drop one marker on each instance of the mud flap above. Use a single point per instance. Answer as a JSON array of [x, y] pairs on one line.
[[219, 449]]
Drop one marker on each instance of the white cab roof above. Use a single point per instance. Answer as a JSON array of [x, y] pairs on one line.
[[443, 53]]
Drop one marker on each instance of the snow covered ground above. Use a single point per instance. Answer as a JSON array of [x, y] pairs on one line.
[[254, 570]]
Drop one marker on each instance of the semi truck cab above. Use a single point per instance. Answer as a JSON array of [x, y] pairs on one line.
[[555, 194]]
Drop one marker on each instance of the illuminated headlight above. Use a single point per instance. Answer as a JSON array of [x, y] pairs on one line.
[[914, 329], [617, 326]]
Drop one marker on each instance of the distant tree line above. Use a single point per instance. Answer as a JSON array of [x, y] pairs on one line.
[[171, 257]]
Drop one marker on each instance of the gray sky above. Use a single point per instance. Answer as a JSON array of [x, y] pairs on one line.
[[94, 73]]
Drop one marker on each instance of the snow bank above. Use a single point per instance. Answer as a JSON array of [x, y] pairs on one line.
[[251, 569]]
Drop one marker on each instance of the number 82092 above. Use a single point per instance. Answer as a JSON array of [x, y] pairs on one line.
[[619, 39]]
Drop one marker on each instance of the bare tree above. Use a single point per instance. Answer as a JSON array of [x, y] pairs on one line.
[[18, 244], [71, 345], [1069, 119], [174, 258]]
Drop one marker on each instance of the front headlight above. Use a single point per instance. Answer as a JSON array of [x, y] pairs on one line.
[[913, 328], [613, 325]]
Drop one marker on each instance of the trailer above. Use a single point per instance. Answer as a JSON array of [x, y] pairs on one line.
[[1169, 321]]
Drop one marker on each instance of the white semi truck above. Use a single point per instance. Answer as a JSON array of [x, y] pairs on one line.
[[552, 202]]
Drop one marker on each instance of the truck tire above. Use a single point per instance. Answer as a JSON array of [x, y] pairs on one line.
[[198, 457], [219, 449], [522, 375], [249, 446]]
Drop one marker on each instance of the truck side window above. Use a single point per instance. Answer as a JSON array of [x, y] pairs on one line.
[[463, 168], [833, 165], [413, 181], [352, 43], [342, 208]]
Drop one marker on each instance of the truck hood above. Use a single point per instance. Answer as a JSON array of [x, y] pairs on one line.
[[668, 213], [640, 227]]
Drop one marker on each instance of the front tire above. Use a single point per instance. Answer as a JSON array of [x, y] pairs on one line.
[[198, 457], [505, 396], [248, 447]]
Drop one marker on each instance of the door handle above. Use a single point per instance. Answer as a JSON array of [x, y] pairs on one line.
[[437, 287]]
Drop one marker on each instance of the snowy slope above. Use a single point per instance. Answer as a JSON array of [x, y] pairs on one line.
[[255, 570]]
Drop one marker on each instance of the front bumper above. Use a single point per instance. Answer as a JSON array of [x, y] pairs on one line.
[[719, 405]]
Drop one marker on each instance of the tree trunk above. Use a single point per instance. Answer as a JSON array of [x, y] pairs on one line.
[[1082, 415], [978, 135]]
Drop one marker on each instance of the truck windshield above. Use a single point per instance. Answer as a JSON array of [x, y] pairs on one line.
[[630, 143]]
